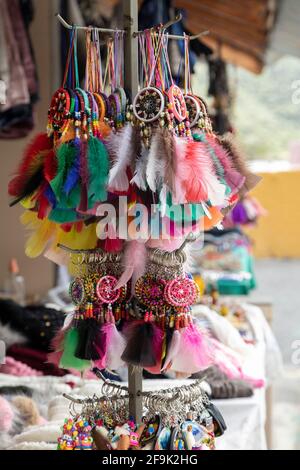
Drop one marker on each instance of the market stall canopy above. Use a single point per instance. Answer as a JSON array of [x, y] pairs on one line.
[[239, 31]]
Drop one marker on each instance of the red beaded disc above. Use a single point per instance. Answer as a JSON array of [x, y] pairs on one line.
[[181, 292], [106, 290]]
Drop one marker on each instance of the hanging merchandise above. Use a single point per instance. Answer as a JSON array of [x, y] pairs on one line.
[[64, 173], [132, 296], [179, 418], [161, 330]]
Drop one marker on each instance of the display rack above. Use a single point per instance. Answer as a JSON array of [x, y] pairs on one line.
[[131, 33]]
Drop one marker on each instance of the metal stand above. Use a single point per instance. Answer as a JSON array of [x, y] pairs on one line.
[[130, 24]]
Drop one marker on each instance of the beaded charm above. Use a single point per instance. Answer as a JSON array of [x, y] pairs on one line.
[[180, 292], [106, 291], [76, 291], [150, 292]]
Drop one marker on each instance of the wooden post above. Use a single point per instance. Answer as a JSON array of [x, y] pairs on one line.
[[130, 24]]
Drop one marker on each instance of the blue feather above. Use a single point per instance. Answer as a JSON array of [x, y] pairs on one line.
[[73, 175], [50, 196]]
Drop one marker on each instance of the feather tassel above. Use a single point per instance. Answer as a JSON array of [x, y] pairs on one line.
[[156, 165], [193, 353], [143, 344], [121, 147], [98, 166], [196, 175], [115, 345], [68, 359], [251, 180]]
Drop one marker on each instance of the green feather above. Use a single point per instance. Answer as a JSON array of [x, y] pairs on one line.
[[185, 212], [63, 216], [98, 165], [68, 359], [65, 155]]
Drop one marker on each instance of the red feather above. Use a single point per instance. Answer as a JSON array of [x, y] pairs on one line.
[[31, 161], [50, 166]]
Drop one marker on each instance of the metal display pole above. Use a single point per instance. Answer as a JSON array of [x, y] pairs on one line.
[[130, 24]]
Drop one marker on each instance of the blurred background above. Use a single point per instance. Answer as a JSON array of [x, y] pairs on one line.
[[248, 69]]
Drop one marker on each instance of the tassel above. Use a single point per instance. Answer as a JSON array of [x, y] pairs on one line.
[[68, 359], [30, 171], [115, 345], [120, 146], [144, 344], [193, 353], [134, 263], [90, 337]]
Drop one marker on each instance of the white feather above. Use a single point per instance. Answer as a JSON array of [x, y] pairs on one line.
[[120, 145], [156, 165], [139, 178]]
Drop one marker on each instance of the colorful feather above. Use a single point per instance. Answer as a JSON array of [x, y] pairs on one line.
[[144, 344], [121, 148], [84, 176], [193, 352], [139, 178], [232, 176], [115, 345], [98, 166], [196, 175], [251, 180], [156, 164], [43, 231], [68, 359], [73, 175], [65, 155], [30, 171]]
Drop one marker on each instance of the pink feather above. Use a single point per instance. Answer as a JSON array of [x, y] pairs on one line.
[[193, 353], [115, 345], [134, 263], [196, 179], [233, 178], [229, 363]]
